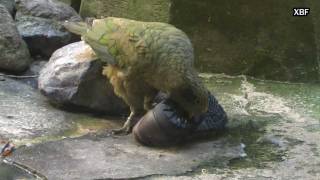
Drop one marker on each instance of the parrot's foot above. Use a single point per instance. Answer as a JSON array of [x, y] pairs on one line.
[[125, 130], [128, 126]]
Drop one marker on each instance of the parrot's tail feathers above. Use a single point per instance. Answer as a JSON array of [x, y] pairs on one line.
[[79, 28]]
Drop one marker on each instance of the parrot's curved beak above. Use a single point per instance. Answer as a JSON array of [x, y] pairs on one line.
[[79, 28], [101, 51]]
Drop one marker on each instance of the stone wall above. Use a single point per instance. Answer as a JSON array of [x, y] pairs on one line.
[[315, 14], [261, 39], [146, 10], [73, 3], [257, 38]]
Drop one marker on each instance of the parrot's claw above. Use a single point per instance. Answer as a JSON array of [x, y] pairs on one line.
[[122, 131], [128, 125]]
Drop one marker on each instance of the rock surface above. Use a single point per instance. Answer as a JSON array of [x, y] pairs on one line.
[[43, 36], [39, 24], [8, 172], [9, 4], [32, 74], [119, 158], [14, 54], [73, 75], [48, 9], [24, 113]]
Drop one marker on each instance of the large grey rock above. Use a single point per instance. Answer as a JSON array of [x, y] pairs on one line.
[[43, 36], [9, 4], [48, 9], [39, 24], [14, 55], [73, 75]]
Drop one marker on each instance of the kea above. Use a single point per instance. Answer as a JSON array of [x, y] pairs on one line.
[[142, 59]]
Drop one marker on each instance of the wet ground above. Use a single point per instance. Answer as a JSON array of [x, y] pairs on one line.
[[281, 134], [273, 133]]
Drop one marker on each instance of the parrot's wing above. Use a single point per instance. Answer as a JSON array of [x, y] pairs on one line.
[[82, 28]]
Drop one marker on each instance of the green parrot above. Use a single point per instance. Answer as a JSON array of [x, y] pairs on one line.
[[144, 58]]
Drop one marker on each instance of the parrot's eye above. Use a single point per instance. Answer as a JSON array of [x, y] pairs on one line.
[[89, 21], [94, 22]]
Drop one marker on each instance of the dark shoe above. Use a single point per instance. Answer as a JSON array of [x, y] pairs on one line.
[[214, 119], [164, 125]]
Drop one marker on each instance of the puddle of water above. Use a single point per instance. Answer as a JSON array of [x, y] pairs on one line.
[[255, 105], [25, 114], [81, 125], [258, 154]]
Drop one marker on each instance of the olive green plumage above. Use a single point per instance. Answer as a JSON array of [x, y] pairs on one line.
[[147, 57]]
